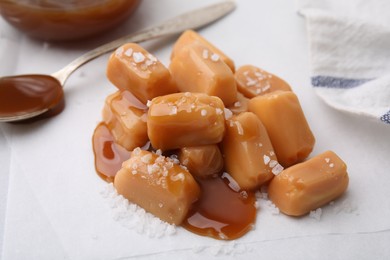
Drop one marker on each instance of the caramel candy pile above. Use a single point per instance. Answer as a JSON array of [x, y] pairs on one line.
[[211, 127]]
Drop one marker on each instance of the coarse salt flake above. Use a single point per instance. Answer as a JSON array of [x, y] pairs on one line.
[[266, 159], [138, 57], [173, 110], [203, 112], [237, 104], [129, 52], [277, 169], [228, 113], [146, 158], [119, 51], [215, 57]]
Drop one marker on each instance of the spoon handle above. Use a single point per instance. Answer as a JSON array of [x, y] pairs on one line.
[[191, 20]]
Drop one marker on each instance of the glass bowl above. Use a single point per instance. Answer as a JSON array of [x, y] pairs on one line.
[[59, 20]]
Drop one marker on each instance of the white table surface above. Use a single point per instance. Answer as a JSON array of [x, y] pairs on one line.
[[50, 206]]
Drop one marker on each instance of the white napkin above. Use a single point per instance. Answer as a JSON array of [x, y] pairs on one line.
[[349, 45]]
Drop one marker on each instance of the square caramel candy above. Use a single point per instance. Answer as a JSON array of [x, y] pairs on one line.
[[253, 81], [132, 68], [248, 152], [125, 117], [185, 119], [202, 161], [309, 185], [190, 36], [157, 184], [196, 68], [282, 116]]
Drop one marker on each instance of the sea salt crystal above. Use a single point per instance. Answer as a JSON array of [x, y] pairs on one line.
[[277, 169], [218, 111], [173, 111], [228, 113], [146, 158], [215, 57], [232, 182], [331, 165], [203, 112], [237, 104], [327, 160], [272, 163], [138, 57], [239, 128], [129, 52], [119, 51], [177, 177], [266, 159]]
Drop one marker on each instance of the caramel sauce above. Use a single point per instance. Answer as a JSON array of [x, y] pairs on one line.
[[66, 20], [221, 212], [108, 154], [30, 93]]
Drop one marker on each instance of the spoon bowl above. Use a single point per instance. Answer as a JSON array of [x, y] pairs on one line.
[[28, 96]]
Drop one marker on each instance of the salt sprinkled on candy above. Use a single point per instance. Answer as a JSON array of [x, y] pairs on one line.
[[119, 51], [228, 113], [277, 169], [173, 111], [138, 57], [215, 57], [203, 112], [266, 159], [129, 52], [232, 182], [237, 104]]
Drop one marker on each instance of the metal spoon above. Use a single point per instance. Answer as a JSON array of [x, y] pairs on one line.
[[28, 86]]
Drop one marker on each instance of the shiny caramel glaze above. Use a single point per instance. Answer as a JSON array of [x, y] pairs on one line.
[[66, 20], [29, 93], [185, 119], [109, 155], [202, 161], [125, 116], [223, 211], [248, 152], [309, 185]]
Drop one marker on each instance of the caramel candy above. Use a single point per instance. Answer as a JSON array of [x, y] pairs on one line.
[[309, 185], [248, 152], [158, 185], [241, 105], [195, 68], [132, 68], [189, 37], [125, 117], [185, 119], [252, 81], [202, 161], [286, 125]]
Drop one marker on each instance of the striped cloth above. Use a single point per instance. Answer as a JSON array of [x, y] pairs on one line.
[[349, 43]]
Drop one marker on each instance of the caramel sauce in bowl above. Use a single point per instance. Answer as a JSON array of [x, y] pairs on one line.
[[67, 19]]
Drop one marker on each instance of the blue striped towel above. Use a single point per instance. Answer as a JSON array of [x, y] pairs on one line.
[[349, 45]]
